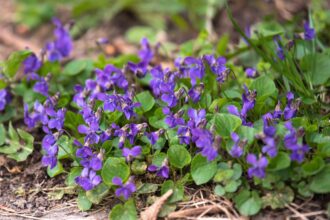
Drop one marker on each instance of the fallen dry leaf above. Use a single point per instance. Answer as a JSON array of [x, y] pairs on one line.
[[152, 211]]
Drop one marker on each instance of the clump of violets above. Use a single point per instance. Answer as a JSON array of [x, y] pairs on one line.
[[46, 114], [293, 142], [178, 92]]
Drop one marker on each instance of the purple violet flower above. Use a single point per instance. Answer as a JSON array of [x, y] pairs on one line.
[[279, 49], [38, 115], [154, 136], [57, 120], [217, 66], [309, 33], [172, 120], [88, 179], [184, 135], [123, 103], [41, 87], [298, 150], [258, 166], [237, 149], [139, 69], [170, 99], [31, 64], [195, 92], [277, 112], [91, 130], [131, 153], [203, 139], [269, 140], [291, 108], [145, 54], [251, 72], [196, 117], [162, 171], [111, 76], [51, 149], [124, 190], [249, 100], [62, 46], [194, 69], [4, 99]]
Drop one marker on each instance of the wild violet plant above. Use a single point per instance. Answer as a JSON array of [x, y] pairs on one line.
[[129, 126]]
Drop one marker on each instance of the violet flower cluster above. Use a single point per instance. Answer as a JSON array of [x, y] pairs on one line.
[[292, 143], [52, 121], [109, 87], [194, 131], [91, 163], [46, 114], [109, 92], [271, 141]]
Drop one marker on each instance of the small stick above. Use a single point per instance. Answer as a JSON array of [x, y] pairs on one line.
[[15, 42], [196, 211], [152, 211], [298, 214]]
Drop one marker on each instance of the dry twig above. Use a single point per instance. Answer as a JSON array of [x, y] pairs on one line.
[[15, 42], [208, 209], [152, 211]]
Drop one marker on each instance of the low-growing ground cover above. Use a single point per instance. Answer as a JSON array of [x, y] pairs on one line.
[[137, 126]]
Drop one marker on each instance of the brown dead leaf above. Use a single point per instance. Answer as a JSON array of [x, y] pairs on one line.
[[152, 211]]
